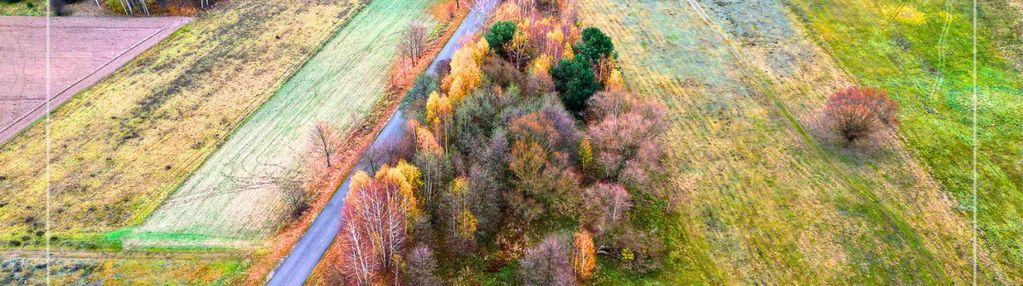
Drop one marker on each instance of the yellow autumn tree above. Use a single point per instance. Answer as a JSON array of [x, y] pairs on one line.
[[584, 260], [426, 142], [567, 52], [518, 49], [411, 174], [465, 221], [541, 64], [615, 81], [586, 156], [359, 180], [431, 106], [405, 176], [466, 224], [466, 74]]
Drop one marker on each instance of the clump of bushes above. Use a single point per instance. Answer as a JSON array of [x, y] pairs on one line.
[[858, 114]]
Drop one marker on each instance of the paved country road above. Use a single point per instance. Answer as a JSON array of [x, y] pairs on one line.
[[303, 258]]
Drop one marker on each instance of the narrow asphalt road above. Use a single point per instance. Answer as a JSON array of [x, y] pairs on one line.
[[297, 266]]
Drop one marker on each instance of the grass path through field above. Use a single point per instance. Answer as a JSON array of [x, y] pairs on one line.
[[338, 85]]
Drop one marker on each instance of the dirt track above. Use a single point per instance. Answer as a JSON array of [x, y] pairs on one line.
[[82, 52]]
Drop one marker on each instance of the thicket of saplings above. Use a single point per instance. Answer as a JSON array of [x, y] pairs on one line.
[[512, 162]]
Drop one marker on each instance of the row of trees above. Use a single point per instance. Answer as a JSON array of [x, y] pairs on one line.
[[529, 133]]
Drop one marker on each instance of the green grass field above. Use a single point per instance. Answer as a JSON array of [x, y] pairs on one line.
[[339, 85], [119, 148], [922, 53], [765, 199]]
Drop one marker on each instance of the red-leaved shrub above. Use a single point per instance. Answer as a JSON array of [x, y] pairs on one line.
[[856, 113]]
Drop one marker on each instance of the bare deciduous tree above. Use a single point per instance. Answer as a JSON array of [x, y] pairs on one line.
[[414, 41], [325, 140], [480, 7]]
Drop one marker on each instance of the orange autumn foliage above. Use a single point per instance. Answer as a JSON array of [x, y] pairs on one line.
[[584, 259]]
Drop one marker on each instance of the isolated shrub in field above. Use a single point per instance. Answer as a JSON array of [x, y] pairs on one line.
[[856, 113], [421, 267], [606, 205], [325, 141], [500, 34], [584, 256], [575, 81], [548, 263], [595, 45]]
